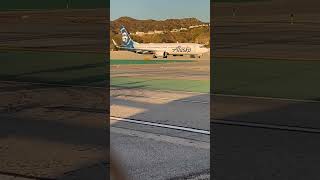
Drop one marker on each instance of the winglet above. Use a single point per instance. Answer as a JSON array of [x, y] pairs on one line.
[[114, 42]]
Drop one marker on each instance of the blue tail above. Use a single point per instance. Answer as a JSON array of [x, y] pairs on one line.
[[127, 42]]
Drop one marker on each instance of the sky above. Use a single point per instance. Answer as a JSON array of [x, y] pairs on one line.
[[160, 9]]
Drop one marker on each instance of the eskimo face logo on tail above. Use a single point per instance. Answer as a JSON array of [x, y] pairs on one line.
[[181, 49], [125, 38]]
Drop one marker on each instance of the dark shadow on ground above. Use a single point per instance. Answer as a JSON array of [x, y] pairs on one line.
[[255, 150], [48, 131], [76, 143]]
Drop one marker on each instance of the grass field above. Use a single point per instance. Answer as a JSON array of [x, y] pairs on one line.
[[265, 77], [53, 67], [202, 86], [297, 79]]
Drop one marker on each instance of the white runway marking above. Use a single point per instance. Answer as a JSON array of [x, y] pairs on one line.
[[268, 98], [200, 131], [266, 126]]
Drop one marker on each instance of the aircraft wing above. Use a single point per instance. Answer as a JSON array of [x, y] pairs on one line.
[[144, 51], [114, 42]]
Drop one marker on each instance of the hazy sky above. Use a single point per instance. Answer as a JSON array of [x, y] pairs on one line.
[[160, 9]]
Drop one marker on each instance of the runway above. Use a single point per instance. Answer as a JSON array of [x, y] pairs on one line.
[[160, 117], [150, 128], [151, 156], [198, 69], [180, 108], [269, 111]]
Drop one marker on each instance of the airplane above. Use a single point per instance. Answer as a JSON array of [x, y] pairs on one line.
[[160, 49]]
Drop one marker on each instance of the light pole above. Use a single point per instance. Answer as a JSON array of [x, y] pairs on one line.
[[68, 2]]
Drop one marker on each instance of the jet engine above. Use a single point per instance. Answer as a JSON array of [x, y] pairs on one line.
[[160, 54]]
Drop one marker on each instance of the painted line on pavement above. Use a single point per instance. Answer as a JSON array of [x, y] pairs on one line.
[[193, 130]]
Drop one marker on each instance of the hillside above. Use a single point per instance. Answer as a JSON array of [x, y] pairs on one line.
[[199, 35], [134, 25]]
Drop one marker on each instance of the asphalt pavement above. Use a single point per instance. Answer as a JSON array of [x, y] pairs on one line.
[[151, 152]]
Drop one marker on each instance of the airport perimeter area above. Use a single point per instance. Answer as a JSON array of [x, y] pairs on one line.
[[257, 120], [53, 95], [265, 107], [144, 91], [160, 115], [75, 83], [253, 94]]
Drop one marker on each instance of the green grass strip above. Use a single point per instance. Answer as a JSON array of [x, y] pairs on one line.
[[53, 67], [296, 79], [202, 86]]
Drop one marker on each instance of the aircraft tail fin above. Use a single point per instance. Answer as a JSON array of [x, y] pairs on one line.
[[127, 42]]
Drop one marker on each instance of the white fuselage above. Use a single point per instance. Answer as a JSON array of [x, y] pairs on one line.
[[174, 48]]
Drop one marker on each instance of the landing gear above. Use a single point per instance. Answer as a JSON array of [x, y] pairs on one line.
[[165, 55]]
